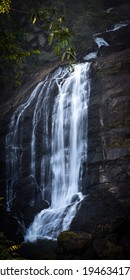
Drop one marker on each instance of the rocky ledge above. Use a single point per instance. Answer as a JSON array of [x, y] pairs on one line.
[[105, 210]]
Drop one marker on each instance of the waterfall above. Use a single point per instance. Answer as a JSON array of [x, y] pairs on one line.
[[117, 26], [14, 147], [101, 42], [55, 117]]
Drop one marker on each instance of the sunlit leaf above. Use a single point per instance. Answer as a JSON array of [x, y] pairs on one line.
[[57, 50], [51, 25], [60, 20], [63, 57], [5, 6], [34, 18], [50, 38]]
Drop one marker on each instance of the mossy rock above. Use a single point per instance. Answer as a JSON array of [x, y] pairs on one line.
[[73, 241]]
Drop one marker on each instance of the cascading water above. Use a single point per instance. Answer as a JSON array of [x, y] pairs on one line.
[[101, 42], [14, 148], [58, 148]]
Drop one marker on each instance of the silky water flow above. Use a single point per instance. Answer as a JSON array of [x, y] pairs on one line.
[[58, 109]]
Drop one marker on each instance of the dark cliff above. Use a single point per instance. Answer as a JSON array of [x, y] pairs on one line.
[[106, 180], [105, 212]]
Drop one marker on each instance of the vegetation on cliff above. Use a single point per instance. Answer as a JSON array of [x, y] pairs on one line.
[[58, 27], [14, 47]]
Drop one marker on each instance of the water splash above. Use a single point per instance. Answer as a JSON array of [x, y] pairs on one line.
[[101, 42], [117, 26], [90, 56]]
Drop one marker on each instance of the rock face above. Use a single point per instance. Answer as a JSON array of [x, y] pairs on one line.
[[105, 210], [73, 242]]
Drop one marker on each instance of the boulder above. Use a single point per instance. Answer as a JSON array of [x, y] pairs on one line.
[[108, 250], [75, 241]]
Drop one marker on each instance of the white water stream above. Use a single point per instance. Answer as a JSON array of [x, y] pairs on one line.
[[101, 42], [61, 170]]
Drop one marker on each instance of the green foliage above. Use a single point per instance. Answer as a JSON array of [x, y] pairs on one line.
[[1, 200], [15, 49], [12, 53], [5, 6], [8, 250], [58, 35]]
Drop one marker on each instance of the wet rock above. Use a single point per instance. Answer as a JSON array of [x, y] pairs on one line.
[[99, 214], [41, 40], [128, 170], [108, 250], [110, 3], [30, 36], [75, 198], [74, 241], [41, 249], [28, 201], [111, 225], [9, 224], [125, 243]]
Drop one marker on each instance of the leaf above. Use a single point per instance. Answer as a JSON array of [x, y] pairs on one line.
[[68, 56], [57, 50], [34, 18], [50, 38], [5, 6], [65, 43], [57, 31], [60, 20], [66, 30], [63, 56], [51, 25], [36, 51]]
